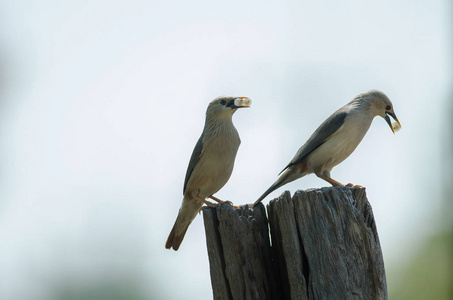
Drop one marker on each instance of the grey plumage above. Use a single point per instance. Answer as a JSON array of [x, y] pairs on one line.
[[335, 139], [210, 165]]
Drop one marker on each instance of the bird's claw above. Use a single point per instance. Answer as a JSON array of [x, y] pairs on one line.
[[230, 203], [354, 185], [221, 201]]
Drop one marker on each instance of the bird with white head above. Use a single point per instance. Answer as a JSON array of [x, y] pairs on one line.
[[336, 138]]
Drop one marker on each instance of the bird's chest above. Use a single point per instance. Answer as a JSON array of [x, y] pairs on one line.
[[220, 155], [340, 145], [215, 165]]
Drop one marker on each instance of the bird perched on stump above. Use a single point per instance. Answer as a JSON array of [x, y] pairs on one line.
[[336, 139], [211, 163]]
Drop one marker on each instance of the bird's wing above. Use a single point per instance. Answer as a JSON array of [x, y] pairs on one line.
[[324, 131], [193, 160]]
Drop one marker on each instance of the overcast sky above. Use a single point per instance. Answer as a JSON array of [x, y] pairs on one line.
[[102, 103]]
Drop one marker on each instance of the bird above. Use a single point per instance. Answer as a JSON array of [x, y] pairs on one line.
[[336, 138], [210, 165]]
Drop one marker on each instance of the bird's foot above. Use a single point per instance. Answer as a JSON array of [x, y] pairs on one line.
[[354, 185], [209, 204], [230, 203], [221, 201]]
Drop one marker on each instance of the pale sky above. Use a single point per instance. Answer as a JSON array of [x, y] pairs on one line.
[[102, 103]]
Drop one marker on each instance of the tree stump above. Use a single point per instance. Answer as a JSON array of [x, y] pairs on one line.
[[318, 244]]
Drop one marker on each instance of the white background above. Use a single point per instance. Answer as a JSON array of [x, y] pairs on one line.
[[102, 102]]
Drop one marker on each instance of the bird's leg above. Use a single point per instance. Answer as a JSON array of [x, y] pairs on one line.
[[336, 183], [221, 201], [330, 180], [218, 200], [210, 204]]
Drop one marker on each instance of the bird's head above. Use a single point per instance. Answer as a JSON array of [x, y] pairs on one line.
[[382, 106], [225, 106]]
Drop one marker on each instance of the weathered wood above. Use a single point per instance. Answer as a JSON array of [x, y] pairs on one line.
[[239, 253], [342, 252], [324, 246]]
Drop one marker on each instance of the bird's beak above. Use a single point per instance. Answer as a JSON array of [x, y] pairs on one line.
[[387, 118], [240, 102]]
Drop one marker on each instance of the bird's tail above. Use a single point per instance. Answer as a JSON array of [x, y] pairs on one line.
[[285, 178], [187, 212]]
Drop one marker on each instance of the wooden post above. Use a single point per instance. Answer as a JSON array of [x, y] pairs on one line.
[[319, 244]]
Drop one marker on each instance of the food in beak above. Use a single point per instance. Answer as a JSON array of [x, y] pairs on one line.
[[396, 126], [242, 102]]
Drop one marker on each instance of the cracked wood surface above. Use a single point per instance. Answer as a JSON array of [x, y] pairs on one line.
[[318, 244]]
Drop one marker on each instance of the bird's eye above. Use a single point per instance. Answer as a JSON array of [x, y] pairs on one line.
[[388, 107], [223, 102]]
